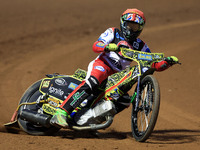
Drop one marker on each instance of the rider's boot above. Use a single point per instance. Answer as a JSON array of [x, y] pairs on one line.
[[59, 119]]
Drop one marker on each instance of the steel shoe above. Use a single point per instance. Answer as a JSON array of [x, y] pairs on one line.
[[59, 119]]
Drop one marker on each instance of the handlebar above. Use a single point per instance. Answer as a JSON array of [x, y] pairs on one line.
[[141, 56]]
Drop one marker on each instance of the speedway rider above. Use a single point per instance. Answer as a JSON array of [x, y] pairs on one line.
[[109, 62]]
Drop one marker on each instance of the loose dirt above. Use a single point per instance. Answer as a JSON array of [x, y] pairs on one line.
[[41, 37]]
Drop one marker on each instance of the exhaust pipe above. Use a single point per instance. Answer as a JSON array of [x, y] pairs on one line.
[[109, 120], [35, 118], [44, 120]]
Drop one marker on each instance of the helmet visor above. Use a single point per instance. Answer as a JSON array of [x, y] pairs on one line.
[[134, 26]]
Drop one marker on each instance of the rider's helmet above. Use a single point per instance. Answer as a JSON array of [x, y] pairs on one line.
[[132, 22]]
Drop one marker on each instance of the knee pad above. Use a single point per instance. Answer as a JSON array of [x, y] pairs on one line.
[[93, 83]]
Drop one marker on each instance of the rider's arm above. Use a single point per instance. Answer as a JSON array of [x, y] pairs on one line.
[[98, 47], [160, 66], [166, 63], [104, 39]]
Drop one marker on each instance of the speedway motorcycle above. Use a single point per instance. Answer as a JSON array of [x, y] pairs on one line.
[[39, 102]]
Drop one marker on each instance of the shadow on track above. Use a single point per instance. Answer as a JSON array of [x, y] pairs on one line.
[[157, 137], [70, 134], [179, 136]]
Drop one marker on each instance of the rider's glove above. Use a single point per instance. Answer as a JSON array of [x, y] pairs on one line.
[[111, 47], [171, 60]]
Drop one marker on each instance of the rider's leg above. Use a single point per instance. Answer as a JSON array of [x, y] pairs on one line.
[[73, 101], [79, 94], [97, 72]]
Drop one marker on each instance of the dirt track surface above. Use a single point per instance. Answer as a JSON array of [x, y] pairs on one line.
[[41, 37]]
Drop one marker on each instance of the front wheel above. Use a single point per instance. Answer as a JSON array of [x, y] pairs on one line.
[[144, 117]]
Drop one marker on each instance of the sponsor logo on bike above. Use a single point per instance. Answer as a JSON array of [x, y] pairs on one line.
[[53, 90], [45, 84], [61, 82], [144, 57], [53, 102], [157, 57], [72, 86]]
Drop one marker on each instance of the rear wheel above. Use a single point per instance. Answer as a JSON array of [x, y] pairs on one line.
[[145, 116], [31, 95]]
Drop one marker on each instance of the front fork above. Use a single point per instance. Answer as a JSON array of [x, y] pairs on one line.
[[136, 95]]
